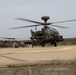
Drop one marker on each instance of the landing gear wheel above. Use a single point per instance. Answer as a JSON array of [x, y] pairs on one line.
[[32, 45], [51, 43], [43, 45], [55, 44]]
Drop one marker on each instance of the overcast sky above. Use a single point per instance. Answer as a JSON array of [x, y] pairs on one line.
[[57, 10]]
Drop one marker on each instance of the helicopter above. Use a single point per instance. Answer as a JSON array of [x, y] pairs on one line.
[[46, 34], [11, 42]]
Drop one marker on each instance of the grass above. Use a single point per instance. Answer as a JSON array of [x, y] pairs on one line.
[[45, 67], [74, 66]]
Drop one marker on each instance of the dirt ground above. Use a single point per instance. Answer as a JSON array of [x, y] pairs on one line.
[[29, 54]]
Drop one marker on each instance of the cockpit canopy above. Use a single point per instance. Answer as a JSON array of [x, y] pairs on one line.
[[51, 31]]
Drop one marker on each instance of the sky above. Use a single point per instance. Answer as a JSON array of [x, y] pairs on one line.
[[57, 10]]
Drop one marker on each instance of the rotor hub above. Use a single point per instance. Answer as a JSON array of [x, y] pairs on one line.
[[45, 18]]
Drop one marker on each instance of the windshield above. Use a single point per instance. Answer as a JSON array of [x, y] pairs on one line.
[[51, 31]]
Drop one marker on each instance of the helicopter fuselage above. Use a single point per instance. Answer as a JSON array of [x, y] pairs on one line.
[[46, 35]]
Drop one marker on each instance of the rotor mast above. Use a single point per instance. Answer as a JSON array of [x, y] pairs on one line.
[[45, 18]]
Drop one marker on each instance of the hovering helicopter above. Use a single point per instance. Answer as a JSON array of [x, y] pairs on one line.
[[46, 34]]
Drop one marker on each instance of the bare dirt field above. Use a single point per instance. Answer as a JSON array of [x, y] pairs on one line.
[[29, 54]]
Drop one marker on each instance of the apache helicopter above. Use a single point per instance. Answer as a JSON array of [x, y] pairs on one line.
[[6, 42], [46, 34], [11, 42]]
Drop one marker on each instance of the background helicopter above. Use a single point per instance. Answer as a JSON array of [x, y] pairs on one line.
[[11, 42], [46, 34]]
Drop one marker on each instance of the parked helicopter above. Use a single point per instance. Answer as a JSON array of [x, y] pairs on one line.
[[46, 34], [11, 42]]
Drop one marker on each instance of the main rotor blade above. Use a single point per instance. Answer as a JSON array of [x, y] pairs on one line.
[[23, 19], [64, 21], [7, 38], [59, 26], [25, 26]]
